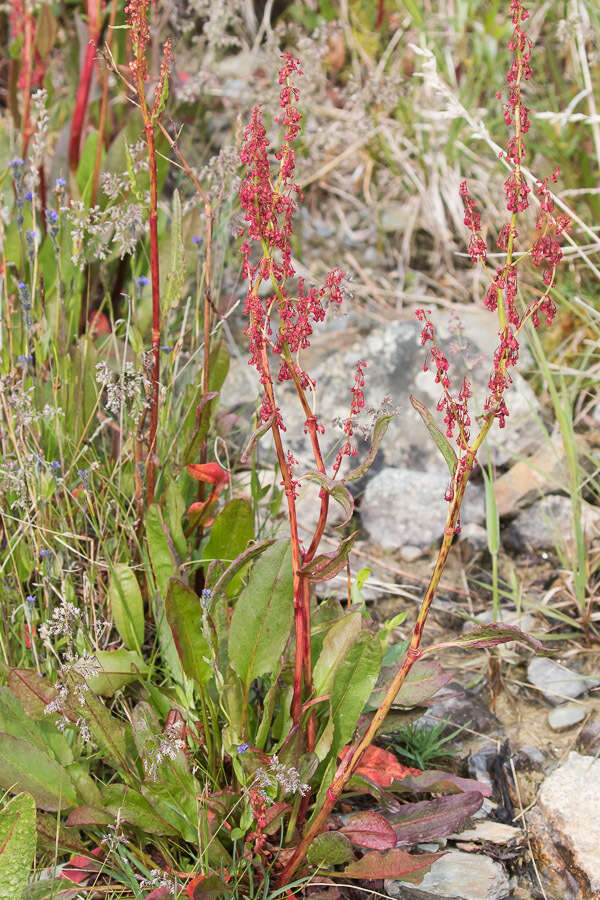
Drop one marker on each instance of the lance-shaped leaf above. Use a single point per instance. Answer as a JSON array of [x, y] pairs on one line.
[[183, 609], [254, 439], [379, 430], [263, 615], [25, 767], [230, 534], [337, 490], [176, 276], [17, 844], [491, 635], [127, 606], [440, 439], [118, 668], [332, 848], [160, 547], [338, 641], [352, 685], [370, 829], [393, 864], [327, 565], [430, 820]]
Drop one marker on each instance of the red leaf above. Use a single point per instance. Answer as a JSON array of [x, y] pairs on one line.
[[381, 766], [392, 864], [212, 473], [81, 867], [371, 830]]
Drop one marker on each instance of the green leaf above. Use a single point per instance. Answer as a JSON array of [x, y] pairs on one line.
[[174, 513], [335, 489], [24, 767], [353, 682], [440, 439], [134, 809], [127, 606], [164, 564], [336, 645], [223, 579], [263, 615], [119, 667], [230, 534], [17, 845], [87, 163], [183, 608], [108, 731], [379, 430], [332, 848], [327, 565]]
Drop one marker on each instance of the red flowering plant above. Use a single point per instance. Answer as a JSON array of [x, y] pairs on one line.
[[280, 326], [501, 297]]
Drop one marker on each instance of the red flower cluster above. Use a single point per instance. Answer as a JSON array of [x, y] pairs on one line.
[[455, 408], [136, 14], [268, 199], [358, 402]]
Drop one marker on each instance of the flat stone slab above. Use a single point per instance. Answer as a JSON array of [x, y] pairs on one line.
[[456, 876], [569, 800], [556, 682], [565, 716]]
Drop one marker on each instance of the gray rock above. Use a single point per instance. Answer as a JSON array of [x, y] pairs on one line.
[[473, 539], [525, 621], [456, 876], [588, 739], [407, 507], [540, 526], [565, 716], [461, 707], [569, 800], [556, 682]]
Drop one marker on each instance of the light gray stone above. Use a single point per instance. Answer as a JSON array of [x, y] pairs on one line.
[[565, 716], [570, 802], [407, 507], [456, 876], [556, 682]]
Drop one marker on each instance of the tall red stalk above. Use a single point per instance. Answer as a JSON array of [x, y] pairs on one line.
[[85, 81]]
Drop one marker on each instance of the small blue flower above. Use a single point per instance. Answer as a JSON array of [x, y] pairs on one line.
[[14, 163], [142, 281], [242, 748], [55, 464], [29, 195], [44, 553], [25, 359], [51, 216], [197, 240], [166, 349], [60, 183], [31, 599]]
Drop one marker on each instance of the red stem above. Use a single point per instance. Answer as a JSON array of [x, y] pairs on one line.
[[85, 81]]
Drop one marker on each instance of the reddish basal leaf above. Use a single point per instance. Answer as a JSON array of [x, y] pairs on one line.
[[371, 830], [429, 820], [392, 864], [438, 782], [79, 868], [381, 766]]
